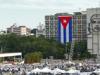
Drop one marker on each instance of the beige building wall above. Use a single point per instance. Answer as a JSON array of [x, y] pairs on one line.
[[21, 30]]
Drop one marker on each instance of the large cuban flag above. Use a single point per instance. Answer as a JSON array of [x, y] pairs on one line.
[[65, 29]]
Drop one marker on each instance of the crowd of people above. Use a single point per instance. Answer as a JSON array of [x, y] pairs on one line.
[[25, 69]]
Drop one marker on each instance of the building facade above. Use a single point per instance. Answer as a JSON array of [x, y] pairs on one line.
[[51, 24], [21, 30], [93, 31], [79, 22], [79, 26]]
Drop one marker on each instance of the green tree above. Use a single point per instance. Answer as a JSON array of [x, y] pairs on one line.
[[80, 50], [30, 44], [33, 57]]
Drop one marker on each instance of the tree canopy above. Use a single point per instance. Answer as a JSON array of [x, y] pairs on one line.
[[28, 44], [47, 47]]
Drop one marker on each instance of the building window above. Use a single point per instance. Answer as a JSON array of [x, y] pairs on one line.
[[74, 17], [84, 22], [74, 21], [84, 17], [47, 17], [79, 21], [56, 18], [51, 18], [51, 22], [79, 17], [47, 22]]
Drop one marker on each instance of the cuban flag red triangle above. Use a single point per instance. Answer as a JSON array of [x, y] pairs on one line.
[[65, 20]]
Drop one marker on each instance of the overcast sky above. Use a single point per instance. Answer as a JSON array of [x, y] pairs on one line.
[[31, 12]]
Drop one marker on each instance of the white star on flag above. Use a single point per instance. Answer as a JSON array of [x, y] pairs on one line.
[[65, 21]]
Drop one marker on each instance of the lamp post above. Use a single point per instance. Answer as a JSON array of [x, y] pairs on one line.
[[66, 55]]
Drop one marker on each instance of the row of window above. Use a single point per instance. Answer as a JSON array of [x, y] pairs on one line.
[[74, 36], [79, 22], [74, 17], [51, 18], [79, 17], [74, 22], [79, 34]]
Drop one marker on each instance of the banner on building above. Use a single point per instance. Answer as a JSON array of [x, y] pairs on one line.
[[65, 29]]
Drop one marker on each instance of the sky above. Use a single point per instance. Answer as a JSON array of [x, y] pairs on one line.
[[31, 12]]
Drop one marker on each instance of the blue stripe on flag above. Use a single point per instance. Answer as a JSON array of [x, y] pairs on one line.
[[64, 36], [59, 30], [70, 31]]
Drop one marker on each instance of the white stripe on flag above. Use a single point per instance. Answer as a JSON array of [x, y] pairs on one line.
[[67, 33], [62, 35]]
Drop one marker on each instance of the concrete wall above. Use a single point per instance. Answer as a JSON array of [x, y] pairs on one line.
[[92, 39]]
